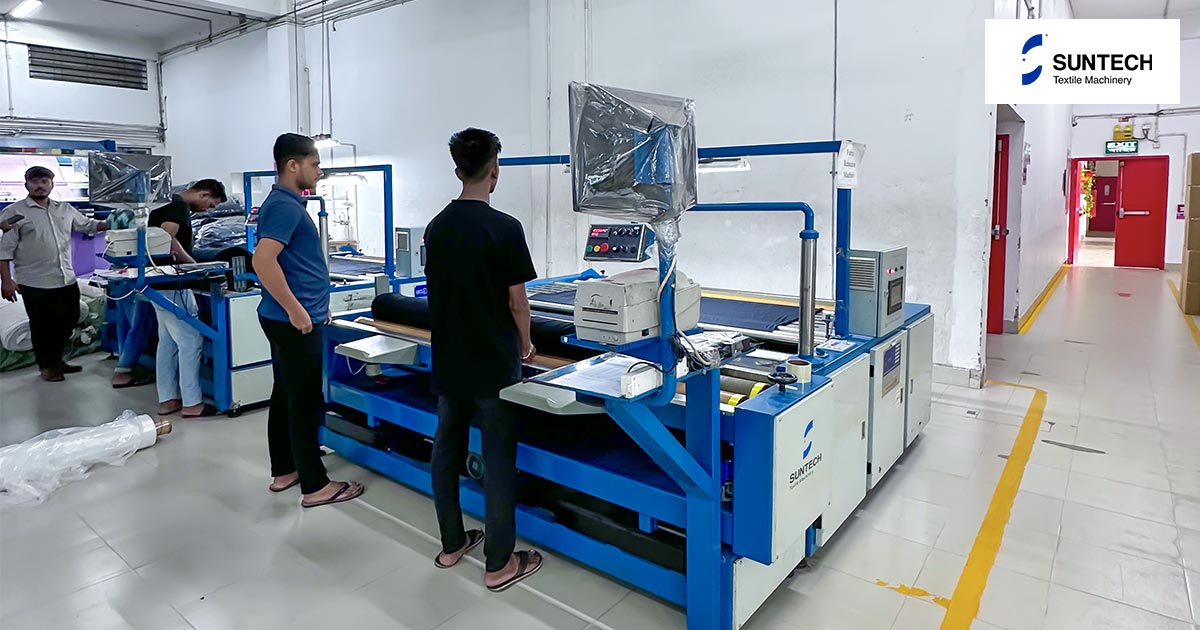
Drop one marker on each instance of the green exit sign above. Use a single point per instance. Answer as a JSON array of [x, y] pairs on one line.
[[1120, 147]]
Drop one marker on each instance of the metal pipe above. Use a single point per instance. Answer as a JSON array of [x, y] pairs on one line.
[[808, 298]]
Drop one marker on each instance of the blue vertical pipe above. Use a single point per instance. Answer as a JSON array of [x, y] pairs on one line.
[[841, 276], [704, 568], [666, 318], [389, 251]]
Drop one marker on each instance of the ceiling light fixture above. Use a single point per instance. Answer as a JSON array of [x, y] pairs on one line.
[[325, 141], [25, 9]]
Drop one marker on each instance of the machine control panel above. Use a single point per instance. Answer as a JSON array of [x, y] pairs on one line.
[[626, 242]]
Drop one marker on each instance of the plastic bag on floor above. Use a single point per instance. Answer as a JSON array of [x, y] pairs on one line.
[[31, 470]]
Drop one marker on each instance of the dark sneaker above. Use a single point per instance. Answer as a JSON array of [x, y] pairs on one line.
[[67, 368]]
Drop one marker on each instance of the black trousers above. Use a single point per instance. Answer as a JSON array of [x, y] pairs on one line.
[[53, 314], [496, 420], [297, 403]]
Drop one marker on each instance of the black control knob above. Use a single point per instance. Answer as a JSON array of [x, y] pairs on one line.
[[782, 378]]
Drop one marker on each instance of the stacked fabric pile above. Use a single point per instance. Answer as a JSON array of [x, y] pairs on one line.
[[16, 344]]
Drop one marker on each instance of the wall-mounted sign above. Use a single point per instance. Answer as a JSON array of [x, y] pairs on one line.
[[1121, 147]]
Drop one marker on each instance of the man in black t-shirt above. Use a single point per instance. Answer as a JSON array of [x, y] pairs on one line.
[[177, 361], [477, 264]]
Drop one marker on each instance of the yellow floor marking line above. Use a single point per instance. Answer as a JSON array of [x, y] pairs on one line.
[[1191, 321], [1040, 303], [913, 591], [964, 603]]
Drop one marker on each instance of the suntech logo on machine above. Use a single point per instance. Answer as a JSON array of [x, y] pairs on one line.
[[1081, 61], [805, 469]]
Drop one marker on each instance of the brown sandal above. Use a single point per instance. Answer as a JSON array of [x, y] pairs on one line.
[[524, 559], [474, 537]]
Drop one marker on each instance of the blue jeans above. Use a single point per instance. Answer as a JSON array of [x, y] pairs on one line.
[[179, 349], [133, 331]]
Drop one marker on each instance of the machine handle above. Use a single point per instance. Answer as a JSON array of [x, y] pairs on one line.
[[1122, 213], [782, 378]]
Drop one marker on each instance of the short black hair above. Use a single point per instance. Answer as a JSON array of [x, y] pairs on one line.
[[36, 172], [292, 146], [214, 188], [473, 151]]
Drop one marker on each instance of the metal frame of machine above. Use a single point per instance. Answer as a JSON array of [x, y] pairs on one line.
[[241, 360], [730, 481]]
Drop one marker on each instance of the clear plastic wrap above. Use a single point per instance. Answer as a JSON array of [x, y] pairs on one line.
[[31, 470], [128, 179], [633, 154]]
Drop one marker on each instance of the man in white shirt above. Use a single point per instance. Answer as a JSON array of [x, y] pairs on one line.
[[39, 248]]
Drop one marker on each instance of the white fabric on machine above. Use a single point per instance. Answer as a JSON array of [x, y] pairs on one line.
[[31, 470]]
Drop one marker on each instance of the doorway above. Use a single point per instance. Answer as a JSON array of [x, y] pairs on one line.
[[998, 257], [1122, 204]]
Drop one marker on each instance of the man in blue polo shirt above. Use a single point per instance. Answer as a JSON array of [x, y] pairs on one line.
[[290, 262]]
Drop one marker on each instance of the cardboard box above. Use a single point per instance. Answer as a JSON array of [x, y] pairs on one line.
[[1189, 298], [1191, 267], [1191, 234], [1192, 174], [1191, 202]]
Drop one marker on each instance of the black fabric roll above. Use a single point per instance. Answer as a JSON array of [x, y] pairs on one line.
[[546, 333], [222, 254]]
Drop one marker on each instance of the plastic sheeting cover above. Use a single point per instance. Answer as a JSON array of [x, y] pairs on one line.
[[31, 470], [633, 154], [128, 178]]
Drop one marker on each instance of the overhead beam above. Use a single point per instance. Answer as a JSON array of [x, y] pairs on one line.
[[261, 9]]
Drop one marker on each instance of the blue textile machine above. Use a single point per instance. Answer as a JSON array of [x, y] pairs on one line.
[[698, 446]]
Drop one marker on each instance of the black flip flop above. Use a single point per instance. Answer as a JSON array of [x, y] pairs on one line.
[[340, 496], [272, 487], [207, 412], [523, 570], [474, 537], [137, 382]]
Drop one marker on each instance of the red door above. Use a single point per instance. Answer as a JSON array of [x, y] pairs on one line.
[[1105, 189], [995, 318], [1142, 213]]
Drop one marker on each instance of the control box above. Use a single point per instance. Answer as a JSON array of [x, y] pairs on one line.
[[626, 242], [885, 425], [877, 290], [410, 252]]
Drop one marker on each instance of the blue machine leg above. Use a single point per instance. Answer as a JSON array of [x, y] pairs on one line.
[[704, 567]]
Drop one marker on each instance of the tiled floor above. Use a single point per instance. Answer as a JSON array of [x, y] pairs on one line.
[[1104, 532], [1096, 251]]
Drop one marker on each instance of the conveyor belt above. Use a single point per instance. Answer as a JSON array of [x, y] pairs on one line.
[[729, 313]]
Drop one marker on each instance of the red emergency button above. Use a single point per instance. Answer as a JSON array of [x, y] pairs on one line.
[[604, 248]]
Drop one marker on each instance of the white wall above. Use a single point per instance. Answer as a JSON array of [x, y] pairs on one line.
[[1090, 134], [225, 104], [406, 77], [39, 98]]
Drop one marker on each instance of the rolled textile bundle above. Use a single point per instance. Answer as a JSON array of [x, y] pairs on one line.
[[546, 333], [31, 470]]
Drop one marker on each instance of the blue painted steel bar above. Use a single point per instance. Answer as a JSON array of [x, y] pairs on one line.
[[762, 206], [622, 565], [577, 475], [221, 347], [704, 504], [746, 150], [389, 253], [535, 160], [841, 275], [51, 143], [784, 148], [640, 423]]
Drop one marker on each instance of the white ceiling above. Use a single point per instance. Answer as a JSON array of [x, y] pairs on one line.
[[1111, 9], [155, 20]]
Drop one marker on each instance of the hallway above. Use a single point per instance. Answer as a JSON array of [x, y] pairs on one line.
[[1103, 531]]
